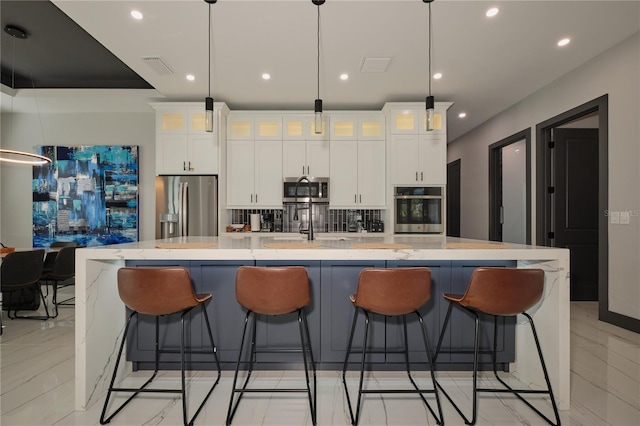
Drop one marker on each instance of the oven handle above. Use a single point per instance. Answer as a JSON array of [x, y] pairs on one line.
[[418, 197]]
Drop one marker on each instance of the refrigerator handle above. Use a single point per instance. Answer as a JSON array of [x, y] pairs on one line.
[[183, 215]]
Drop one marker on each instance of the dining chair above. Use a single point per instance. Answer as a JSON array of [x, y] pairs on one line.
[[20, 274], [62, 274]]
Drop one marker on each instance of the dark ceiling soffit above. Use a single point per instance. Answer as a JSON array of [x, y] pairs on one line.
[[57, 53]]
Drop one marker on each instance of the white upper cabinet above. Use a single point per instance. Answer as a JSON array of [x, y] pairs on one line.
[[357, 174], [357, 126], [304, 153], [417, 157], [254, 160], [182, 145]]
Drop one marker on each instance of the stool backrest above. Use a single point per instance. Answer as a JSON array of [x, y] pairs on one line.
[[272, 290], [64, 266], [156, 291], [504, 291], [21, 268], [391, 291]]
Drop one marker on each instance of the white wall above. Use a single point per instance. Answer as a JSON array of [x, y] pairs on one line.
[[617, 73], [23, 131]]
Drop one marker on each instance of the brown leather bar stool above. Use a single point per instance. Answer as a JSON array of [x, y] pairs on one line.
[[158, 292], [273, 291], [391, 292], [499, 292]]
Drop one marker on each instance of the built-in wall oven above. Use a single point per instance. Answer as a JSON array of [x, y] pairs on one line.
[[419, 210]]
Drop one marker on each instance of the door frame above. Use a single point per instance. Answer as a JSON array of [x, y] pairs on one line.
[[544, 218], [495, 195]]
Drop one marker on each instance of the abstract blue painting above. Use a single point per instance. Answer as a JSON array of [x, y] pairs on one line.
[[87, 194]]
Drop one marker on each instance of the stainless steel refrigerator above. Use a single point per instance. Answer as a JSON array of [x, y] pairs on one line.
[[186, 205]]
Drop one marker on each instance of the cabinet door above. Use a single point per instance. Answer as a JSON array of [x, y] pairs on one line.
[[404, 121], [344, 174], [344, 127], [196, 120], [339, 281], [203, 153], [295, 127], [371, 174], [294, 158], [268, 127], [171, 154], [433, 314], [171, 120], [268, 174], [371, 127], [282, 331], [440, 122], [318, 158], [433, 157], [240, 173], [240, 127], [405, 160]]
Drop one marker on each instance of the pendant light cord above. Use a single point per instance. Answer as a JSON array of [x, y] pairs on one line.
[[318, 51], [429, 49], [209, 50]]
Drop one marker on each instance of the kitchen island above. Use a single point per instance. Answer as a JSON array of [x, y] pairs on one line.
[[100, 314]]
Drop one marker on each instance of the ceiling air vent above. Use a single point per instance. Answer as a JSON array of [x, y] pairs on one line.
[[375, 64], [158, 65]]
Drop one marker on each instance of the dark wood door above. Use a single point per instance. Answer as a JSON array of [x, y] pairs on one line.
[[575, 210], [453, 198]]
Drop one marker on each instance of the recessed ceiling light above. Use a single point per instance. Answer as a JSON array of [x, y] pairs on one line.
[[190, 77], [462, 115], [564, 42], [266, 76], [492, 12], [344, 76], [437, 75], [136, 14]]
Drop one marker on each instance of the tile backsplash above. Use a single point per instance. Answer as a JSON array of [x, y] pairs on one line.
[[324, 219]]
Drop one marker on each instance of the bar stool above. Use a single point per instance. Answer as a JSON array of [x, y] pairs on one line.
[[499, 292], [158, 292], [391, 292], [273, 291]]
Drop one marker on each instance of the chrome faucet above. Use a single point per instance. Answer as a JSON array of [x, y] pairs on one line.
[[309, 207]]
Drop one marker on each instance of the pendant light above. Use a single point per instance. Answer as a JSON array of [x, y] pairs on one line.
[[9, 155], [318, 103], [430, 101], [208, 101]]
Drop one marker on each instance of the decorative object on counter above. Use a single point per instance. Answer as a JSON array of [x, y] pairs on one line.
[[394, 246], [88, 194], [208, 101], [8, 155], [293, 245], [430, 102], [186, 245], [318, 102], [256, 222], [475, 246]]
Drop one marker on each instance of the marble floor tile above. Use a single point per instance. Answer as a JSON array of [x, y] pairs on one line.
[[37, 386]]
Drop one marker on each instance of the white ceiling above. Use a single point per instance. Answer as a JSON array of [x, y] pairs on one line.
[[488, 64]]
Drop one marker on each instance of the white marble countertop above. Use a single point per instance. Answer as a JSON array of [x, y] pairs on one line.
[[331, 246]]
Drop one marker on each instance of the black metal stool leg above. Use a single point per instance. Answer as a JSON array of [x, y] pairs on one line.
[[306, 367], [232, 407], [439, 418], [313, 366], [364, 355], [346, 362]]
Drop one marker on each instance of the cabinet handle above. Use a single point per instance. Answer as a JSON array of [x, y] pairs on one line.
[[256, 198], [416, 176], [355, 198], [184, 165], [421, 176], [307, 169], [303, 169], [252, 198], [360, 198]]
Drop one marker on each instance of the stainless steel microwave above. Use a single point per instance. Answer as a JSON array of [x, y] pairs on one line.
[[419, 210], [317, 189]]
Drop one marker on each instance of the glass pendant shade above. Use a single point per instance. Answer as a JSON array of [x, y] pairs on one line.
[[431, 114], [318, 116], [208, 114]]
